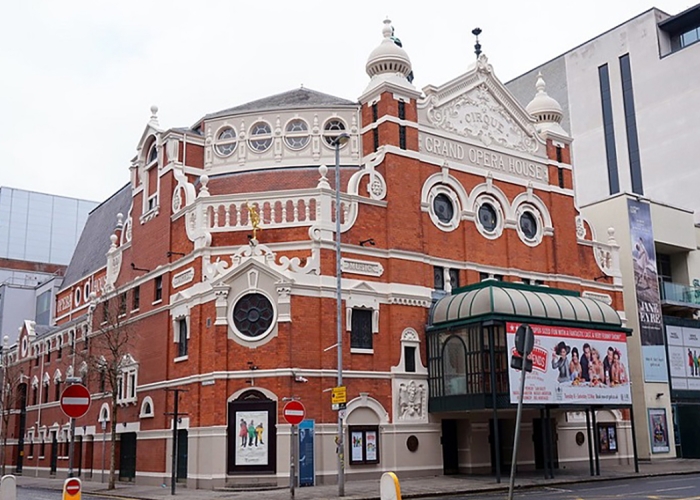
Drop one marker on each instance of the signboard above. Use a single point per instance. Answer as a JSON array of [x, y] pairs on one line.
[[684, 357], [339, 395], [646, 286], [294, 412], [572, 366], [75, 400], [307, 473]]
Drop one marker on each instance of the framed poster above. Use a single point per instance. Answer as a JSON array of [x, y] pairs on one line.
[[251, 434], [364, 445], [607, 438], [658, 430]]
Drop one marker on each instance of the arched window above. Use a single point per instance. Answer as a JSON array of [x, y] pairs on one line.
[[454, 366]]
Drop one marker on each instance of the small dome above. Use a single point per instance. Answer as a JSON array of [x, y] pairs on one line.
[[388, 57], [543, 107]]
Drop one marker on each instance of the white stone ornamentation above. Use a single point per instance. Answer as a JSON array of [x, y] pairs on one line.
[[412, 404]]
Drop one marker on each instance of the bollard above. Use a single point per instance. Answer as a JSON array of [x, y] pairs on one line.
[[72, 489], [389, 488], [8, 487]]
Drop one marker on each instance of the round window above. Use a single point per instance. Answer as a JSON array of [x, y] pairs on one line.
[[488, 218], [253, 315], [226, 142], [443, 208], [77, 296], [528, 225], [297, 134], [260, 137], [332, 129]]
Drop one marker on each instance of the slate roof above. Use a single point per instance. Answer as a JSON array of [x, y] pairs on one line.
[[292, 99], [43, 330], [91, 250]]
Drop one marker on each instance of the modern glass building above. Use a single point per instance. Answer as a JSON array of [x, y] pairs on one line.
[[40, 227]]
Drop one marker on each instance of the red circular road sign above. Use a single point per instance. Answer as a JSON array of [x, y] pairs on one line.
[[294, 412], [72, 486], [75, 400]]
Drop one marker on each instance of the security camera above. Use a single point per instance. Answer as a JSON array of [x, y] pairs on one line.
[[301, 379]]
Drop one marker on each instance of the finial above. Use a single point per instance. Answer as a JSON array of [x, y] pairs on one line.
[[120, 219], [477, 46], [204, 180], [323, 181], [154, 115], [540, 85], [302, 85], [387, 30], [113, 238]]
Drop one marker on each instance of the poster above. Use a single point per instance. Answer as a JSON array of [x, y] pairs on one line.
[[252, 438], [306, 453], [684, 357], [371, 446], [607, 438], [573, 366], [356, 444], [646, 286], [658, 429]]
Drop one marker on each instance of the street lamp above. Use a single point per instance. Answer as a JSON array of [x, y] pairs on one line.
[[337, 143]]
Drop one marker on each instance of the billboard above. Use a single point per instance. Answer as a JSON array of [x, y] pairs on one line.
[[576, 366], [684, 357], [646, 285]]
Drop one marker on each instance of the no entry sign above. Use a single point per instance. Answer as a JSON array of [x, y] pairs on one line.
[[71, 489], [294, 412], [75, 400]]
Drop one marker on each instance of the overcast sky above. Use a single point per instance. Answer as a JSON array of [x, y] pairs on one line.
[[77, 78]]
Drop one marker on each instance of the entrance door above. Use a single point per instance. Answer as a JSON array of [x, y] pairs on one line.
[[538, 440], [506, 435], [182, 455], [127, 456], [450, 452], [54, 452], [688, 418]]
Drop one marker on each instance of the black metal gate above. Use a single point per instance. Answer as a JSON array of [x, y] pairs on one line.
[[182, 455]]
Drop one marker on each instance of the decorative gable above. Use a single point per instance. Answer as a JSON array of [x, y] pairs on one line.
[[477, 106]]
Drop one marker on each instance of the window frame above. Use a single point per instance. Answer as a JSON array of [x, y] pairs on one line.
[[367, 321]]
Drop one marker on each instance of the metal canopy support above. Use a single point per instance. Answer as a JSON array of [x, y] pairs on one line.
[[596, 449], [634, 441], [550, 441], [496, 434], [590, 443]]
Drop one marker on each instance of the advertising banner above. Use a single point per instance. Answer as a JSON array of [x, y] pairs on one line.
[[658, 429], [572, 366], [646, 285], [306, 453], [684, 357]]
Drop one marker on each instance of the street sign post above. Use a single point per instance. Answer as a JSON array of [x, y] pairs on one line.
[[293, 412], [75, 400]]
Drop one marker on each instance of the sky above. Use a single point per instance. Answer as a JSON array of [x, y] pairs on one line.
[[78, 78]]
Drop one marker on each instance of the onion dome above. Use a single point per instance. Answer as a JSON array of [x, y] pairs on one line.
[[545, 109], [389, 57]]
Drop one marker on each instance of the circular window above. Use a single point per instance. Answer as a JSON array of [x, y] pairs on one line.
[[528, 225], [332, 129], [443, 208], [253, 315], [77, 296], [260, 137], [412, 443], [86, 290], [297, 134], [488, 217], [226, 142]]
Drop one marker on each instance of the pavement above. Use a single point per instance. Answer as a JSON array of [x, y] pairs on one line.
[[411, 487]]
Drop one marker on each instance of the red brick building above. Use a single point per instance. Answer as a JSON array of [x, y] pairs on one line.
[[453, 187]]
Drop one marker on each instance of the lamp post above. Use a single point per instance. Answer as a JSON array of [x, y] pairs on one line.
[[337, 143]]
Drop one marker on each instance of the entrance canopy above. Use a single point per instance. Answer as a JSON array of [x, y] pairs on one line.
[[518, 301]]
